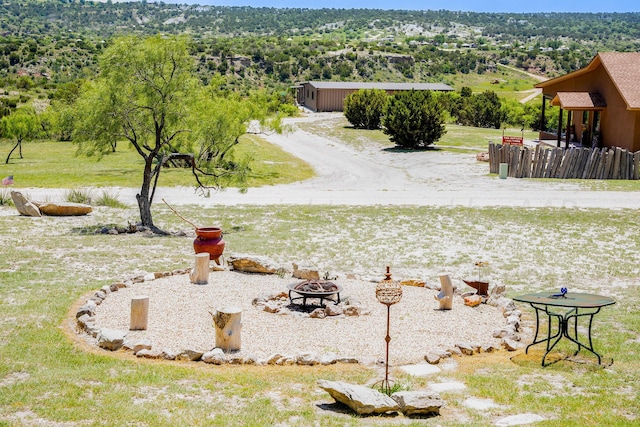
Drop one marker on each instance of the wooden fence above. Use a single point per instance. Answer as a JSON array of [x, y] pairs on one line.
[[575, 163]]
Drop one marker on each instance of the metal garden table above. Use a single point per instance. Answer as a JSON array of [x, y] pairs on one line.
[[575, 305]]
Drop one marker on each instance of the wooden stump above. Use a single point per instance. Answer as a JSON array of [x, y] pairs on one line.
[[445, 297], [139, 313], [228, 323], [200, 273]]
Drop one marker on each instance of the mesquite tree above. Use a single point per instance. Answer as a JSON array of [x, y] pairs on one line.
[[21, 125], [147, 94]]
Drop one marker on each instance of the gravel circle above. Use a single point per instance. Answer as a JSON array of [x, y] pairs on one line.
[[179, 319]]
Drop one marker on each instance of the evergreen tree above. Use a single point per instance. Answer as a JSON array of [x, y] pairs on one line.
[[413, 119], [363, 108]]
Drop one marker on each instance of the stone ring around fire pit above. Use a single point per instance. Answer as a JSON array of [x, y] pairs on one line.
[[319, 289]]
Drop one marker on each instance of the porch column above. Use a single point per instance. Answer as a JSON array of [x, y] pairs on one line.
[[568, 133], [542, 124], [559, 127]]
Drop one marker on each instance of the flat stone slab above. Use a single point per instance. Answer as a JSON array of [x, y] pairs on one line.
[[479, 404], [420, 369], [448, 386], [520, 419]]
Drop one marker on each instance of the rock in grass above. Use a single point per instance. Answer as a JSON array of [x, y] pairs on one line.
[[24, 206], [361, 399], [418, 402], [65, 209]]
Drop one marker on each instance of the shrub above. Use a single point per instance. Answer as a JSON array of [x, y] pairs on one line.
[[78, 196], [413, 119], [5, 197], [109, 200], [363, 108]]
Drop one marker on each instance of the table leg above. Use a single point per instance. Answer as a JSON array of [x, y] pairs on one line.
[[535, 336], [550, 340], [575, 338], [558, 335]]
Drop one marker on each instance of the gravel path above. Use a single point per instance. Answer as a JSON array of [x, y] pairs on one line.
[[179, 319]]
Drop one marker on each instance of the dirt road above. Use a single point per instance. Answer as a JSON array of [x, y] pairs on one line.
[[374, 176]]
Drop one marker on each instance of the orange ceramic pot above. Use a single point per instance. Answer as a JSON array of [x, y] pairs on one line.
[[209, 240]]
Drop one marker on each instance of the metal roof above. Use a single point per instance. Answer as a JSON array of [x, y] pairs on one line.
[[380, 85], [579, 101]]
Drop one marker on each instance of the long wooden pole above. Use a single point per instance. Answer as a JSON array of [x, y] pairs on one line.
[[180, 216]]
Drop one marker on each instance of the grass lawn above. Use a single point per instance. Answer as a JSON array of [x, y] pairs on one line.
[[47, 264], [52, 164]]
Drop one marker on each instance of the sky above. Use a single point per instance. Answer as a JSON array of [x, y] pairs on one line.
[[514, 6]]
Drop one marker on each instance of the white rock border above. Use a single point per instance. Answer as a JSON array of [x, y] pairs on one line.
[[113, 340]]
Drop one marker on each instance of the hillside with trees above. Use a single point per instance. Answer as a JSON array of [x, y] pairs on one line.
[[48, 47], [58, 40]]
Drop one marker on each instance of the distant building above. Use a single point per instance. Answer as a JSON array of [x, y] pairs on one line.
[[602, 100], [329, 96]]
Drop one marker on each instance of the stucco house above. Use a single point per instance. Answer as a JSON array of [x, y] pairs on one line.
[[329, 96], [602, 100]]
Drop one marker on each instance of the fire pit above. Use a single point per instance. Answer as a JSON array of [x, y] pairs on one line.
[[319, 289]]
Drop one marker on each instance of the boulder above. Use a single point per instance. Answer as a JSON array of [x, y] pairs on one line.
[[215, 356], [305, 272], [274, 358], [333, 310], [137, 345], [168, 354], [65, 209], [86, 321], [432, 358], [418, 402], [473, 300], [510, 344], [328, 359], [149, 353], [466, 348], [88, 308], [355, 308], [318, 313], [271, 307], [111, 339], [361, 399], [253, 264], [24, 206], [307, 359], [514, 321]]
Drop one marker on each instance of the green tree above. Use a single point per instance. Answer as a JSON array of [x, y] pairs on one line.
[[25, 82], [363, 108], [22, 125], [413, 119], [481, 110], [147, 94], [58, 120], [487, 110]]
